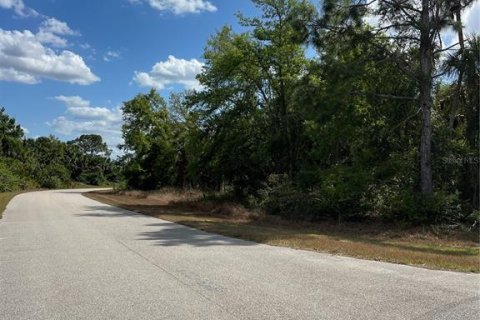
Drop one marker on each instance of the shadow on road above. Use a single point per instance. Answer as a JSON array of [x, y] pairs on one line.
[[108, 212], [170, 234]]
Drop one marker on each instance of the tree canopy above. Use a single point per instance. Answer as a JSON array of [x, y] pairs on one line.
[[47, 162], [361, 128], [308, 112]]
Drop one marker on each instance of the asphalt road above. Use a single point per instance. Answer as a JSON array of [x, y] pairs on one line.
[[63, 256]]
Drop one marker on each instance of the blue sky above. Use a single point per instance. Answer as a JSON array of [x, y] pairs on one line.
[[67, 66]]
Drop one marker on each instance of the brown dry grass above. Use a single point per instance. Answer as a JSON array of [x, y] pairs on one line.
[[418, 246], [5, 198]]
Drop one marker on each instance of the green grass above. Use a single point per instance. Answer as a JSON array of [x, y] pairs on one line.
[[5, 198]]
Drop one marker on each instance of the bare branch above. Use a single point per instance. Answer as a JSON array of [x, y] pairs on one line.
[[446, 49]]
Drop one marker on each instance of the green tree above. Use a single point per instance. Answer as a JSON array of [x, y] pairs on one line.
[[411, 26], [148, 136], [88, 159], [276, 50], [11, 136], [463, 103], [49, 154], [249, 118], [92, 144]]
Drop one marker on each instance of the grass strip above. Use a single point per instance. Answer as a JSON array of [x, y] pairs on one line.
[[401, 248]]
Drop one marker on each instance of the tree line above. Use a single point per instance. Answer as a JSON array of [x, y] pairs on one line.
[[47, 162], [309, 113], [382, 121]]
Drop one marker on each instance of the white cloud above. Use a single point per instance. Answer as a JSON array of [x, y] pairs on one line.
[[24, 58], [81, 109], [111, 55], [471, 18], [19, 7], [172, 71], [471, 23], [51, 30], [55, 26], [180, 6], [10, 74], [86, 46], [83, 118]]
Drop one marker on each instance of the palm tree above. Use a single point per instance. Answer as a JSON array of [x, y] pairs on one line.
[[467, 64]]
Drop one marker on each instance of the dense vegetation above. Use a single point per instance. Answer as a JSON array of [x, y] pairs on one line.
[[47, 162], [381, 123]]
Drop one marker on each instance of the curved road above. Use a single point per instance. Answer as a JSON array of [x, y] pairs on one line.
[[63, 256]]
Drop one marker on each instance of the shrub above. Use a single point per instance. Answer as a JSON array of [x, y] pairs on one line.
[[341, 194], [53, 176], [93, 178], [344, 191], [411, 207], [288, 202], [9, 181]]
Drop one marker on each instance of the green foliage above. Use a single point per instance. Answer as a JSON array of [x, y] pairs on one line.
[[88, 160], [283, 198], [437, 208], [149, 139], [9, 181], [93, 178], [331, 137], [53, 177], [342, 194], [47, 162], [11, 135], [14, 176], [91, 144]]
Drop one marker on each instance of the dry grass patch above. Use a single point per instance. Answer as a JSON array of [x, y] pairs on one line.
[[5, 198], [420, 247]]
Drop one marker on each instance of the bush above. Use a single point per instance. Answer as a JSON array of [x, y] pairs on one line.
[[344, 191], [9, 181], [93, 178], [52, 182], [286, 201], [412, 207], [13, 176], [341, 193], [53, 176]]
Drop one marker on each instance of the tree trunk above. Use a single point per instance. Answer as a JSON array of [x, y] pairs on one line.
[[426, 101]]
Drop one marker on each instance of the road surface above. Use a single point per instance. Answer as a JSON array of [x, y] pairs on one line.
[[63, 256]]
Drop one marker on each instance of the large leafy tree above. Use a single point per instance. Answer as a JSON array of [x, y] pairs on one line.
[[279, 56], [248, 113], [92, 144], [148, 136], [88, 159], [348, 133], [49, 158]]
